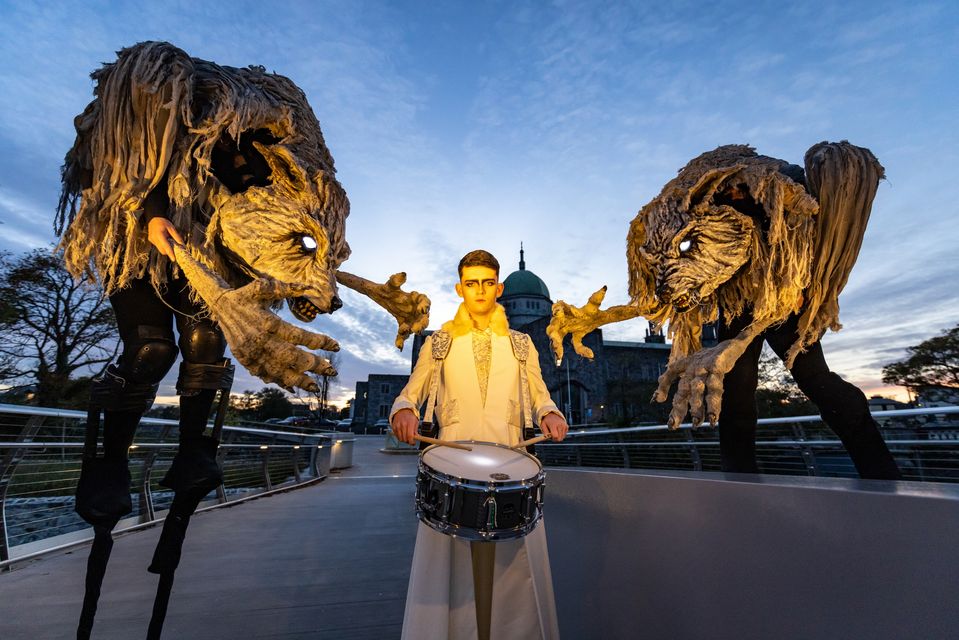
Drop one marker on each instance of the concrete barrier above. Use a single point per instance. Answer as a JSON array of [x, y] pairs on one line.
[[678, 555]]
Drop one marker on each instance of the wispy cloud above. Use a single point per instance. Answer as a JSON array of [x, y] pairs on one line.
[[460, 126]]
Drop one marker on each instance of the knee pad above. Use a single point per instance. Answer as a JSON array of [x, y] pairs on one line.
[[148, 359], [202, 342]]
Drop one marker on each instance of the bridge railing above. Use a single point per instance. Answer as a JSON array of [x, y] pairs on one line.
[[924, 441], [40, 456]]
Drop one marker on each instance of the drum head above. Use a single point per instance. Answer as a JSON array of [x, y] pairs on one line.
[[485, 463]]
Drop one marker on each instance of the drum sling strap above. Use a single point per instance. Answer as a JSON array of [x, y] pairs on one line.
[[441, 348], [520, 342]]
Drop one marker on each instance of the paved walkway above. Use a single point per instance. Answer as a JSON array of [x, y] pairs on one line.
[[327, 561]]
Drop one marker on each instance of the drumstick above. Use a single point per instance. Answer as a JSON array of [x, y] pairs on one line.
[[442, 443], [526, 443]]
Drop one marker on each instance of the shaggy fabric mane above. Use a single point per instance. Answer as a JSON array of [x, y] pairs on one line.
[[157, 116], [801, 251]]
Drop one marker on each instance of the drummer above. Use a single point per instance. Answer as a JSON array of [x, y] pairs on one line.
[[478, 398]]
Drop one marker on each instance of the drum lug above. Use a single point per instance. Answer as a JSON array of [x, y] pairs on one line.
[[490, 505]]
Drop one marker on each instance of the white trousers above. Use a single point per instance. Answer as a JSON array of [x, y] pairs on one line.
[[440, 602]]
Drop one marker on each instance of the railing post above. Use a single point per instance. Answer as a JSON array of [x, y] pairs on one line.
[[693, 450], [809, 458], [314, 469], [221, 452], [295, 457], [267, 483], [146, 493], [148, 513], [8, 464], [622, 445], [920, 470]]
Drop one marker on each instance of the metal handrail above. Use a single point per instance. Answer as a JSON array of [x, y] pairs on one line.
[[7, 444], [38, 476], [770, 443], [925, 449], [895, 413]]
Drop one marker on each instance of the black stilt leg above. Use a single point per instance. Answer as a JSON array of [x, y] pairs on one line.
[[164, 587], [96, 569], [193, 474]]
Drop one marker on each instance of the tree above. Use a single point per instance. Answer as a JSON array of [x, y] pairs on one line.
[[931, 363], [52, 328], [268, 402], [322, 396], [778, 394]]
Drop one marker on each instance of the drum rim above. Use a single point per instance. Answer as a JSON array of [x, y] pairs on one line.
[[491, 484], [483, 485]]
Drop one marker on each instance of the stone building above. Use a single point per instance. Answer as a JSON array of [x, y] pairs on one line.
[[374, 397]]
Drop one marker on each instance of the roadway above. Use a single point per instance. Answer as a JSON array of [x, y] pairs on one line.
[[329, 561]]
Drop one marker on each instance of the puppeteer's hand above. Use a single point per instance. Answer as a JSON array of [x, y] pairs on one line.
[[161, 233], [404, 425], [554, 426]]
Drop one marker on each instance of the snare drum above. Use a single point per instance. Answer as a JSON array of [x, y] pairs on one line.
[[490, 493]]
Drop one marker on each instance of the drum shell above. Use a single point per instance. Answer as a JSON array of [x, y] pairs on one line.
[[479, 510]]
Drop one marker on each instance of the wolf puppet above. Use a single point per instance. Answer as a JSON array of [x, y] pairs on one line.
[[763, 247], [230, 164]]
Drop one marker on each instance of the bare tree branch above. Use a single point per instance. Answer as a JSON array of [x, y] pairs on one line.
[[51, 327]]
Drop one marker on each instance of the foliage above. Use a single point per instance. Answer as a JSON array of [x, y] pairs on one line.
[[165, 411], [324, 409], [268, 402], [52, 328], [778, 394], [931, 363]]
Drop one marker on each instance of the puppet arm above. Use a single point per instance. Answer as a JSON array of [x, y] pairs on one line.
[[411, 309], [579, 321], [700, 376], [258, 338]]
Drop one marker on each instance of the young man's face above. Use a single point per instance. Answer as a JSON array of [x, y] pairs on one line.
[[479, 287]]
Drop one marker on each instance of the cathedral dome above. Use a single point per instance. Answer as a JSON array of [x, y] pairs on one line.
[[524, 283], [525, 297]]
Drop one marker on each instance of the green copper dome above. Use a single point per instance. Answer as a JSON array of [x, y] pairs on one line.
[[523, 282]]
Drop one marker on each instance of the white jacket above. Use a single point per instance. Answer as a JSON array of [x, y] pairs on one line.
[[460, 411]]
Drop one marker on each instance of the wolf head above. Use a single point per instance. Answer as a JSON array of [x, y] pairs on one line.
[[726, 218], [242, 160]]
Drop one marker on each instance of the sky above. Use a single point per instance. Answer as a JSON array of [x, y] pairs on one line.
[[459, 125]]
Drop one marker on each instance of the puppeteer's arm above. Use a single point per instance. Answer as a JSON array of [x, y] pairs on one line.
[[160, 231]]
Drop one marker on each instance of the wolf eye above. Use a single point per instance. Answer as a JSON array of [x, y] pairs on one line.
[[308, 244], [685, 245]]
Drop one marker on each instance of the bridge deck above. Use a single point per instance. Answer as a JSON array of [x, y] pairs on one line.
[[327, 561]]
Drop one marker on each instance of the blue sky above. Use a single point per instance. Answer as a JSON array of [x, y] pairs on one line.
[[482, 124]]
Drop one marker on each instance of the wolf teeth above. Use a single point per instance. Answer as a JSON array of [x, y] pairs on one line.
[[306, 309]]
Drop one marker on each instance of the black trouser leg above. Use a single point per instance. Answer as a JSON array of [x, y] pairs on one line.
[[843, 406], [737, 418], [146, 333], [123, 393], [201, 343]]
